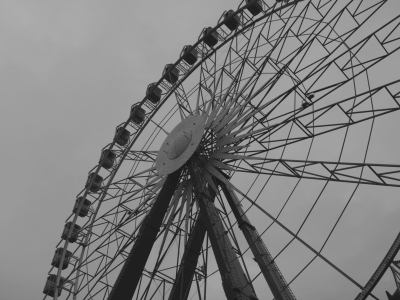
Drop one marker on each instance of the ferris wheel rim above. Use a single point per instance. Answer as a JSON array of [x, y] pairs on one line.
[[170, 92], [213, 50]]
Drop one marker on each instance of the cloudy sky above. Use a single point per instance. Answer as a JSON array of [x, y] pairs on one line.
[[69, 72]]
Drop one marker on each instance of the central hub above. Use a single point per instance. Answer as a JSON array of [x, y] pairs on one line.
[[180, 144]]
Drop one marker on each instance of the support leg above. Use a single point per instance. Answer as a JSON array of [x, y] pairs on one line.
[[234, 281], [183, 282], [268, 267], [129, 277]]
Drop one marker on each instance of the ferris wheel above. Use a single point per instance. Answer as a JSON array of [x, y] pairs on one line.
[[259, 166]]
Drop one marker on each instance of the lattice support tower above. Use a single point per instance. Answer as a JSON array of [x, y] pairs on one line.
[[269, 268]]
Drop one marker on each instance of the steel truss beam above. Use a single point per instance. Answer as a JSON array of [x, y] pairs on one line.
[[184, 279], [395, 268], [234, 282], [373, 281], [187, 269], [268, 267], [130, 274], [362, 173]]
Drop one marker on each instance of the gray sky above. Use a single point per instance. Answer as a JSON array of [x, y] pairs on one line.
[[69, 72]]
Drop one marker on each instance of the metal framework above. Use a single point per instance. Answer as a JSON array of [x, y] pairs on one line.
[[268, 267], [395, 268], [132, 270], [296, 98]]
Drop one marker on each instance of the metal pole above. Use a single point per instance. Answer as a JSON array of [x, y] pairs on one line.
[[129, 277], [268, 267], [234, 281], [187, 269]]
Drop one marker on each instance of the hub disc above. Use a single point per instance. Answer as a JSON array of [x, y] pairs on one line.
[[180, 144]]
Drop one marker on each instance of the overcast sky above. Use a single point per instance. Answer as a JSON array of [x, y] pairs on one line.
[[69, 72]]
